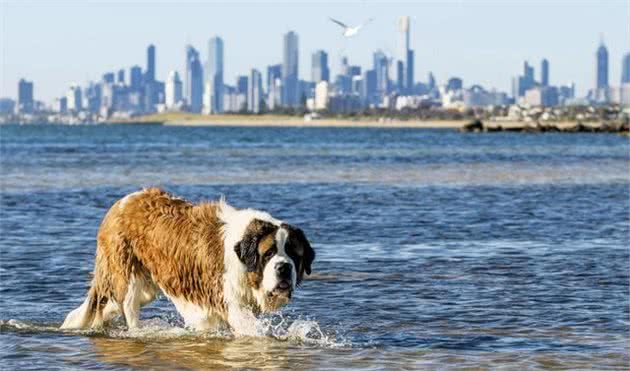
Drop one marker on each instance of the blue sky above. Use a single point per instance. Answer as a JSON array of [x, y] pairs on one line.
[[56, 43]]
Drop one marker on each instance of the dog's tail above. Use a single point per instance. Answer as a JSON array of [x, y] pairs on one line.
[[88, 314]]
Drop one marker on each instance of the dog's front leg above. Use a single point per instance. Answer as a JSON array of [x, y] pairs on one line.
[[243, 322]]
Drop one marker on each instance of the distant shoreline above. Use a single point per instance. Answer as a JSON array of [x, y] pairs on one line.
[[184, 119], [340, 123]]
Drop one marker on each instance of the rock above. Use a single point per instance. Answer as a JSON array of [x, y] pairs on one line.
[[473, 126], [533, 128]]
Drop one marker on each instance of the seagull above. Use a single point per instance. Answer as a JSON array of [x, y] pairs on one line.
[[350, 31]]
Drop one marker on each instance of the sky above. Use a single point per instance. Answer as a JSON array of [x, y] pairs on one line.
[[57, 43]]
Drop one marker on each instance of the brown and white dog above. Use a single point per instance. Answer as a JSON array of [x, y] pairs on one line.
[[217, 264]]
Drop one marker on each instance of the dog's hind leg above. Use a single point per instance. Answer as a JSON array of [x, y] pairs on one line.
[[141, 291], [132, 301], [110, 311], [86, 314]]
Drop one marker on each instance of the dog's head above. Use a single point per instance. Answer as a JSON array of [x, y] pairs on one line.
[[276, 258]]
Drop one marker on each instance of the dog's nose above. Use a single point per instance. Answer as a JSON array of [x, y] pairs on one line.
[[284, 270]]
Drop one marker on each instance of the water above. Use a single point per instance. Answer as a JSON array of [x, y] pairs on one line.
[[434, 249]]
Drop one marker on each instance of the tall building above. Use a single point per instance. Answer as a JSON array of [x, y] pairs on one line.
[[431, 84], [544, 72], [241, 84], [121, 77], [242, 91], [135, 78], [321, 95], [214, 73], [254, 94], [193, 80], [368, 89], [625, 69], [407, 55], [25, 102], [319, 67], [520, 84], [454, 83], [74, 99], [290, 91], [173, 90], [382, 73], [344, 66], [109, 77], [409, 70], [274, 72], [400, 76], [92, 97], [150, 75], [602, 67]]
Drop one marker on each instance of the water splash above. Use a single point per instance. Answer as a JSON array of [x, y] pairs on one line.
[[276, 326]]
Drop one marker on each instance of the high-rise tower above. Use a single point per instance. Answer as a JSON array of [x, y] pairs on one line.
[[544, 73], [320, 71], [407, 55], [150, 74], [290, 91], [214, 73], [193, 80], [625, 69], [602, 67]]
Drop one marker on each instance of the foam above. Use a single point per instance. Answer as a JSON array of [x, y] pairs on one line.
[[276, 326]]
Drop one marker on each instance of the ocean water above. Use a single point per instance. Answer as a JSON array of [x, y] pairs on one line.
[[435, 249]]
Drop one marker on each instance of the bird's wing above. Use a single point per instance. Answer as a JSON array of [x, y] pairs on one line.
[[338, 22]]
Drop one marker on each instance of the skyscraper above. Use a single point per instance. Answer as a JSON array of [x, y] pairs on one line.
[[92, 97], [173, 90], [74, 99], [368, 89], [242, 91], [431, 84], [319, 69], [602, 67], [241, 84], [625, 69], [121, 77], [109, 77], [150, 75], [135, 78], [521, 84], [254, 94], [274, 72], [25, 102], [544, 72], [407, 54], [193, 80], [410, 67], [290, 91], [214, 73], [382, 73], [400, 77]]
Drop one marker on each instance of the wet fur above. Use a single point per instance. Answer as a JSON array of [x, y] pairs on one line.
[[206, 258]]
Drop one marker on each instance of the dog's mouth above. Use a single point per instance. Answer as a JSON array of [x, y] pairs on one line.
[[283, 288]]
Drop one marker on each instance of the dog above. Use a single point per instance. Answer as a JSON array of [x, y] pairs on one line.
[[217, 264]]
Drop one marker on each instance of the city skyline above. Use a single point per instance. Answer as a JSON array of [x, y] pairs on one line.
[[432, 45]]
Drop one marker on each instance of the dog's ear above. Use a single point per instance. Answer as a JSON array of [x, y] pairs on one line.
[[247, 248], [301, 248], [309, 254], [247, 251]]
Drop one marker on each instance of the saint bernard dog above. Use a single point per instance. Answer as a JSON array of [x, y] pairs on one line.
[[218, 265]]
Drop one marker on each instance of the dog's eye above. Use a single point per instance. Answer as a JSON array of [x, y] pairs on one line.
[[269, 253]]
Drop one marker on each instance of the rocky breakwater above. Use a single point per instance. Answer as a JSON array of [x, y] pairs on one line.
[[617, 126]]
